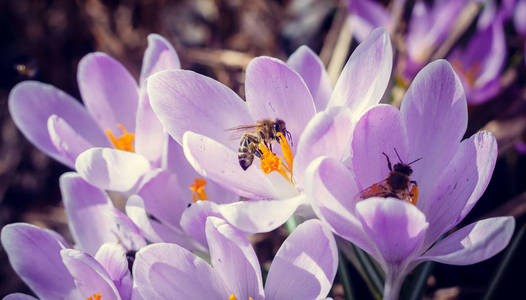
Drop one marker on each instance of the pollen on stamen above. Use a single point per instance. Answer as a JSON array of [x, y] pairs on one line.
[[233, 297], [270, 162], [124, 142], [95, 297], [198, 190]]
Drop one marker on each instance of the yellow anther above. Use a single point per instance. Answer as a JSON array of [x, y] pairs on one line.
[[287, 152], [270, 163], [124, 142], [198, 190], [414, 194], [470, 74], [233, 297], [95, 297]]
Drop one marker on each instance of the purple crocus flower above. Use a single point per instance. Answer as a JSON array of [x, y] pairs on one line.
[[366, 15], [480, 63], [116, 115], [105, 242], [301, 269], [198, 112], [451, 175]]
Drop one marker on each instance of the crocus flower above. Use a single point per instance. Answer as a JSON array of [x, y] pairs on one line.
[[451, 175], [479, 64], [366, 15], [116, 115], [105, 239], [301, 269], [198, 112]]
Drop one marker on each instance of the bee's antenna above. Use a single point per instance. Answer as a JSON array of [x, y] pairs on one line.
[[399, 159], [414, 161]]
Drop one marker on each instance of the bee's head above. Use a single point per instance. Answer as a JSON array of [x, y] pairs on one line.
[[403, 168], [279, 126]]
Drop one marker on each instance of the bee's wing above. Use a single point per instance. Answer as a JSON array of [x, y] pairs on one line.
[[238, 131], [380, 189]]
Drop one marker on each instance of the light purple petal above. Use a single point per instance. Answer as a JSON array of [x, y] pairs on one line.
[[90, 277], [194, 218], [332, 189], [34, 254], [299, 260], [434, 111], [366, 15], [473, 243], [111, 169], [256, 216], [150, 137], [380, 130], [66, 140], [219, 163], [396, 227], [275, 91], [234, 259], [89, 212], [19, 296], [519, 17], [109, 91], [112, 258], [160, 55], [185, 100], [328, 133], [31, 104], [460, 186], [366, 74], [168, 271], [311, 68]]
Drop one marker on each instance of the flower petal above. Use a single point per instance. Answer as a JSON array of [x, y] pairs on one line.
[[397, 228], [31, 103], [19, 296], [185, 100], [234, 259], [34, 254], [160, 55], [219, 163], [473, 243], [168, 271], [111, 169], [66, 140], [364, 78], [194, 218], [113, 259], [256, 216], [90, 277], [434, 110], [150, 137], [366, 15], [108, 90], [311, 68], [332, 189], [328, 133], [275, 91], [299, 261]]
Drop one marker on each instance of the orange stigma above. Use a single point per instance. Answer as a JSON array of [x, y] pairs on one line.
[[198, 190], [270, 162], [124, 142], [470, 74], [233, 297], [95, 297]]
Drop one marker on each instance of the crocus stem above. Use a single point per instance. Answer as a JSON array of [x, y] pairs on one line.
[[344, 277], [291, 224], [419, 283], [370, 270], [505, 263], [392, 286]]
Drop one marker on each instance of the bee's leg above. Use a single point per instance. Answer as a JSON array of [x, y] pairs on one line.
[[270, 146], [258, 153], [413, 182], [388, 162]]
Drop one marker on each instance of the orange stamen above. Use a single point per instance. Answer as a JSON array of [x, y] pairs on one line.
[[270, 162], [233, 297], [124, 142], [95, 297], [198, 190], [414, 194]]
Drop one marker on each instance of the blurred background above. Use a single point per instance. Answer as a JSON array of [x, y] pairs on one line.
[[44, 41]]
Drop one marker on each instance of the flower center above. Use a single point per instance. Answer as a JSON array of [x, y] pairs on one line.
[[270, 162], [233, 297], [124, 142], [95, 297], [470, 73], [198, 190]]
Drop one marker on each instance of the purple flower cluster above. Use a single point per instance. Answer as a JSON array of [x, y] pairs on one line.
[[166, 145]]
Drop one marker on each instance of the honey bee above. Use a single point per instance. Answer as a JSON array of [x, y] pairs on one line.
[[265, 131], [397, 184]]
